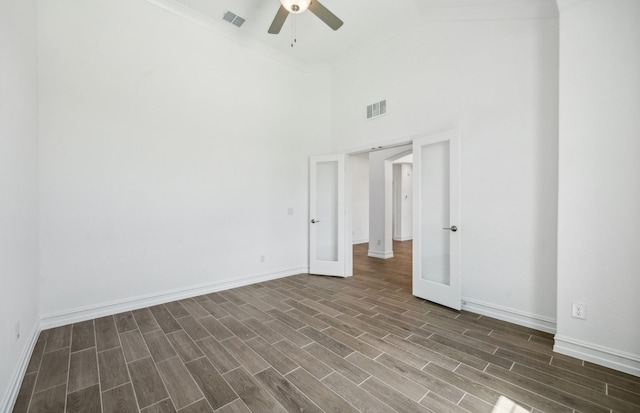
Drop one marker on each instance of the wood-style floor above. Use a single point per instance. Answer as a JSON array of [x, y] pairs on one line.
[[313, 344]]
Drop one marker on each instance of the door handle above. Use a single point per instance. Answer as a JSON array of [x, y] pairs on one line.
[[452, 229], [313, 221]]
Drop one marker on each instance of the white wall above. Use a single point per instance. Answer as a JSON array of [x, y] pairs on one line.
[[599, 197], [496, 82], [18, 192], [360, 198], [169, 156]]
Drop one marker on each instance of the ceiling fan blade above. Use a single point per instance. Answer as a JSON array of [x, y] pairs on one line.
[[279, 20], [325, 15]]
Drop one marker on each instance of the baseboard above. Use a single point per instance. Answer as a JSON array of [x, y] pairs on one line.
[[409, 238], [133, 303], [604, 356], [511, 315], [360, 241], [382, 255], [11, 395]]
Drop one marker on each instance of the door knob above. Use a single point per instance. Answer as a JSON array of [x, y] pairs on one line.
[[313, 221], [452, 229]]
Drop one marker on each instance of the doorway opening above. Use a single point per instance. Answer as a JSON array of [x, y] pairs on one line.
[[436, 243], [382, 212]]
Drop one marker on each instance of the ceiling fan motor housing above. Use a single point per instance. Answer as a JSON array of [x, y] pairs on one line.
[[295, 6], [298, 6]]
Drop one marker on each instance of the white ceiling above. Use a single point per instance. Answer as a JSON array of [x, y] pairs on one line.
[[366, 22]]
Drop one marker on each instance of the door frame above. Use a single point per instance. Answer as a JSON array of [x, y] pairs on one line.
[[348, 248]]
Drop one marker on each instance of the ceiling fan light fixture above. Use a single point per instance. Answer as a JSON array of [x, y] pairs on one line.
[[295, 6]]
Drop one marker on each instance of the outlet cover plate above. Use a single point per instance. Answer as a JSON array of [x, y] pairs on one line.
[[579, 310]]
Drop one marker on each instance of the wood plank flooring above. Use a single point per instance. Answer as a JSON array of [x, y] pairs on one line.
[[313, 344]]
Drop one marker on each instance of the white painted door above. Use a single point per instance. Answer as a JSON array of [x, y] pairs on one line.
[[436, 213], [327, 219]]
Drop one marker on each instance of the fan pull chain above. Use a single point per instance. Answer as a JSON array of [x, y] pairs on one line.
[[293, 30]]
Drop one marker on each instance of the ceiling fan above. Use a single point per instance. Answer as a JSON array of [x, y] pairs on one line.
[[299, 6]]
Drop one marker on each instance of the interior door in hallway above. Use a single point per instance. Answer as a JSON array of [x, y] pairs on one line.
[[327, 217], [436, 219]]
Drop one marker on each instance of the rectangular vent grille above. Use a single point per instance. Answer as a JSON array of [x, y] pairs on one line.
[[377, 109], [233, 18]]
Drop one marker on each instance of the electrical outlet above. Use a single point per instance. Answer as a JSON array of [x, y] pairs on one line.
[[579, 310], [17, 328], [379, 242], [262, 258]]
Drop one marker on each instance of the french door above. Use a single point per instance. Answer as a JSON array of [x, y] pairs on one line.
[[436, 219], [327, 217]]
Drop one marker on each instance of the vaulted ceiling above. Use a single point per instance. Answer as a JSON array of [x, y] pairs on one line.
[[366, 22]]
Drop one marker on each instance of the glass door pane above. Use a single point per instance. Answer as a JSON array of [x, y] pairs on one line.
[[327, 211], [435, 212]]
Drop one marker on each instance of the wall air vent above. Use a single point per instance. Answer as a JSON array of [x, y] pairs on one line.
[[233, 18], [377, 109]]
